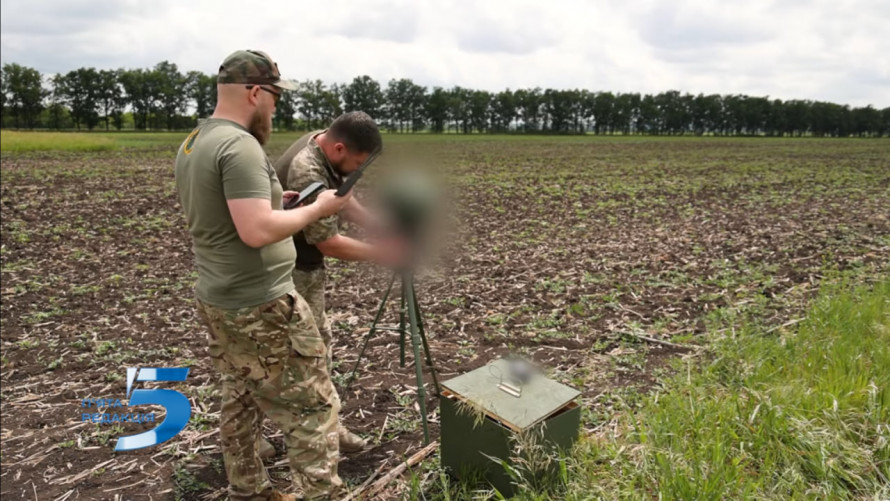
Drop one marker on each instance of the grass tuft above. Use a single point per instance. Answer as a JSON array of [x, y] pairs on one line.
[[800, 414]]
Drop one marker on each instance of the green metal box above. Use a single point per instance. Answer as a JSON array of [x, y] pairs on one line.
[[470, 439]]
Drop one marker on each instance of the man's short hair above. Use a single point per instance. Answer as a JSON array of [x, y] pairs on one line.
[[357, 131]]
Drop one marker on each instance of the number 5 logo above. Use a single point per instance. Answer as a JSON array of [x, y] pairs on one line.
[[177, 405]]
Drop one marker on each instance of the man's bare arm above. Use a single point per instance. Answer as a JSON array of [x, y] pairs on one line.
[[259, 225], [355, 212], [350, 249]]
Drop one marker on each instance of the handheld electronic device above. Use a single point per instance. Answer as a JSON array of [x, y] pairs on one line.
[[344, 188], [310, 190]]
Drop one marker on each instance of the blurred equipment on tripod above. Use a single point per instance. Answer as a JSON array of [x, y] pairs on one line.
[[410, 200]]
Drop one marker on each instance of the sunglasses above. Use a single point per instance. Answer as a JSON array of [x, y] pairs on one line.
[[270, 91]]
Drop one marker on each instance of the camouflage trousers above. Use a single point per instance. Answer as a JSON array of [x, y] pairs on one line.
[[272, 362], [310, 285]]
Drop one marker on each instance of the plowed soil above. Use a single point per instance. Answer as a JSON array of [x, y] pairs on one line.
[[567, 250]]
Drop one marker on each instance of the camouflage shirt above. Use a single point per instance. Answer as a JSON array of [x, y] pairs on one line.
[[282, 165], [310, 165]]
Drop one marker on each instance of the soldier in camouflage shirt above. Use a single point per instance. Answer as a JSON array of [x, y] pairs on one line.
[[262, 335], [328, 156]]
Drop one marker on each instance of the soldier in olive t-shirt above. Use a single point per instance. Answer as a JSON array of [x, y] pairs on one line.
[[262, 337], [230, 273]]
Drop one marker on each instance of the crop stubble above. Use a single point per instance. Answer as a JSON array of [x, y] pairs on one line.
[[561, 248]]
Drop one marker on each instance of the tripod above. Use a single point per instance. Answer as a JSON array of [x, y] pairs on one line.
[[410, 306]]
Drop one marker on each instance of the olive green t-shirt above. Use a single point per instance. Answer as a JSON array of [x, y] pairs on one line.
[[220, 160]]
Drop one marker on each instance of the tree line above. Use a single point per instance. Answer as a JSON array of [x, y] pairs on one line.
[[165, 98]]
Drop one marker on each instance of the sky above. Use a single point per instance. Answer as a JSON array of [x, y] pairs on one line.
[[837, 50]]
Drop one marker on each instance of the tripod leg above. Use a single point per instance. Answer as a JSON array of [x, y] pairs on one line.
[[426, 345], [370, 332], [415, 343], [402, 331]]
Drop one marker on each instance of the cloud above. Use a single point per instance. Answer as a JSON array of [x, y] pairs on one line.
[[518, 30], [672, 26], [811, 49], [36, 18]]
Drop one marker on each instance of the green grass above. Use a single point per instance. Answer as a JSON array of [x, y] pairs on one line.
[[58, 141], [799, 414], [20, 141], [795, 415]]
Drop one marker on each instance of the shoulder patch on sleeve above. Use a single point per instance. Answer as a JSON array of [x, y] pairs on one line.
[[189, 143]]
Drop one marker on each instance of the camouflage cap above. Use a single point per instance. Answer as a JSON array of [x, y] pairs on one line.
[[251, 67]]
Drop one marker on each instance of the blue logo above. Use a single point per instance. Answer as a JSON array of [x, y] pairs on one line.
[[177, 405]]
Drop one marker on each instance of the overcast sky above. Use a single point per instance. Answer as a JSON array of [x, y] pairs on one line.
[[833, 50]]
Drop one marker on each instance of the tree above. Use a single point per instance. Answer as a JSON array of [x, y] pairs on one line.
[[311, 101], [866, 121], [733, 116], [755, 113], [140, 87], [479, 105], [25, 94], [602, 112], [649, 120], [201, 89], [57, 113], [885, 121], [624, 111], [111, 97], [558, 110], [171, 91], [285, 110], [459, 109], [161, 96], [80, 90], [586, 105], [4, 90], [436, 109], [528, 105], [776, 121], [398, 110], [330, 104], [503, 110], [363, 94], [797, 117], [675, 111], [826, 119], [405, 104], [416, 105], [705, 113]]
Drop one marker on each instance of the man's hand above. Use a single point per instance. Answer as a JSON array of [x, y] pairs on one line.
[[392, 251], [355, 212], [287, 195], [329, 203]]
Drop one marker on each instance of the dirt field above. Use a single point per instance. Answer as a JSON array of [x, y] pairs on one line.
[[565, 250]]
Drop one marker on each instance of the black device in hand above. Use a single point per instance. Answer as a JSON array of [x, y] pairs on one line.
[[310, 190], [344, 188]]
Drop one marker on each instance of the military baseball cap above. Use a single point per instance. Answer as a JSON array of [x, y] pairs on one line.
[[251, 67]]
